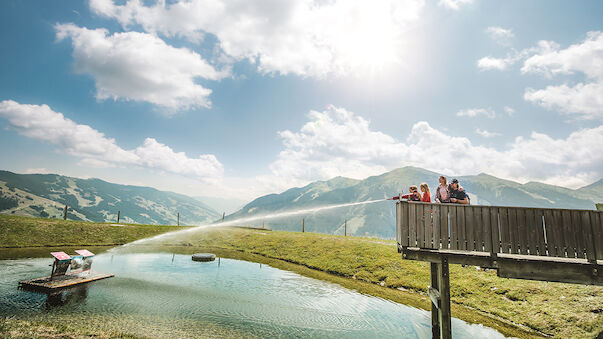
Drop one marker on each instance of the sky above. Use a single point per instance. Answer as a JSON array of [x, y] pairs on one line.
[[241, 98]]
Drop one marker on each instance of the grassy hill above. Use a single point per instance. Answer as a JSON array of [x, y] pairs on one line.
[[378, 219], [45, 195]]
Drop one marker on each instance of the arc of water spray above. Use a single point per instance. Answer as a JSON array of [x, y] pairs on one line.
[[252, 218]]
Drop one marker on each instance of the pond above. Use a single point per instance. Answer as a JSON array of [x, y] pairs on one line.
[[169, 295]]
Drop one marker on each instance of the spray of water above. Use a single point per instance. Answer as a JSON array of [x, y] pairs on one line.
[[244, 220]]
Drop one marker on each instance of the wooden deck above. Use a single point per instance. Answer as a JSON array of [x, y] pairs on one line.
[[526, 243], [45, 284]]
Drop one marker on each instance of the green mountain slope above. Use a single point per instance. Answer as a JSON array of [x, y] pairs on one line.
[[378, 218], [46, 195]]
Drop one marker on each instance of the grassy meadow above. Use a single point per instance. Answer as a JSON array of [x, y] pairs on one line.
[[520, 308]]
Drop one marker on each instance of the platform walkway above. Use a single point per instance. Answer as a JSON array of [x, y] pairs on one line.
[[527, 243]]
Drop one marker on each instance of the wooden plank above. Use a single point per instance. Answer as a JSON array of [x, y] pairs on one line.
[[420, 225], [436, 208], [427, 226], [412, 225], [469, 228], [522, 230], [579, 233], [540, 231], [596, 220], [444, 227], [444, 288], [588, 236], [531, 227], [435, 306], [494, 226], [67, 280], [486, 228], [559, 234], [568, 272], [434, 295], [513, 232], [460, 223], [403, 207], [504, 229], [568, 235], [550, 235], [453, 228]]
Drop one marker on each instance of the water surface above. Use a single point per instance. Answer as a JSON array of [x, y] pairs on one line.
[[166, 295]]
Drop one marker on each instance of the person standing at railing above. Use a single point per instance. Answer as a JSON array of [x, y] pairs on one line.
[[426, 194], [414, 195], [442, 192], [458, 195]]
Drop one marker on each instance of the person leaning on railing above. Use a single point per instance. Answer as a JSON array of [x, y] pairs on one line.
[[458, 195], [442, 192]]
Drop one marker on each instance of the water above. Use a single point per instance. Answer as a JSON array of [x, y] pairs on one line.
[[242, 221], [166, 295]]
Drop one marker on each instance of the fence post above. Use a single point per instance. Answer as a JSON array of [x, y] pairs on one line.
[[178, 218], [118, 216], [303, 225], [65, 213], [345, 228]]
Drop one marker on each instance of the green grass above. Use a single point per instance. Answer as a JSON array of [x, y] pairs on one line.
[[18, 231], [370, 266], [556, 309]]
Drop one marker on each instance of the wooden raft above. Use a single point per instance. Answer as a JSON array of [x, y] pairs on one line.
[[527, 243], [67, 280]]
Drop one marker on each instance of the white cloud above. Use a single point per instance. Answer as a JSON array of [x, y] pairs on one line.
[[96, 150], [583, 99], [474, 112], [454, 4], [509, 110], [490, 63], [140, 67], [302, 37], [38, 170], [486, 134], [501, 35], [337, 142]]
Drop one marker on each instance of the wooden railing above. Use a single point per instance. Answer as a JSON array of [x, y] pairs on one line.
[[501, 230]]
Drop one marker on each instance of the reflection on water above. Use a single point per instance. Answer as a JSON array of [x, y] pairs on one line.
[[162, 294]]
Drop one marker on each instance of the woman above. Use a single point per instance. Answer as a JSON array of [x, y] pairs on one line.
[[426, 194], [442, 192]]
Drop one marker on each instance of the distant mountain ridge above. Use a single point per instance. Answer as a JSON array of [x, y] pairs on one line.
[[45, 195], [378, 219]]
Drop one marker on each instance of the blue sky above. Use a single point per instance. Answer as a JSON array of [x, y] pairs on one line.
[[241, 98]]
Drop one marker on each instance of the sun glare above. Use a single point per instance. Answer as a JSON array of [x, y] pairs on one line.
[[370, 42]]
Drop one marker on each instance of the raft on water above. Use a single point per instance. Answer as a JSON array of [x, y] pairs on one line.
[[80, 272], [204, 257]]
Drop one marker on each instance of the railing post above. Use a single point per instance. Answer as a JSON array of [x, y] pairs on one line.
[[435, 304]]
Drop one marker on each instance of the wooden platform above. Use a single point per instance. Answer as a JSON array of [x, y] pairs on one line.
[[45, 284]]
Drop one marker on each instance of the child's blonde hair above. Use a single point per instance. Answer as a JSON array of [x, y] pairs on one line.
[[413, 188], [426, 187]]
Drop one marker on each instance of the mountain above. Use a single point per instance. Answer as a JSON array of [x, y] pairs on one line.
[[46, 195], [224, 205], [377, 219]]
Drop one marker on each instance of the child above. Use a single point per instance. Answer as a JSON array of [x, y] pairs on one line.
[[442, 192], [412, 196], [426, 194]]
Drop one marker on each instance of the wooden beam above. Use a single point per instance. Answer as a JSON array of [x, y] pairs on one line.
[[444, 289], [435, 307]]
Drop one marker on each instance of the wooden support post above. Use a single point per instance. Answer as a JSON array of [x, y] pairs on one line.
[[435, 302], [345, 228], [223, 215], [303, 225], [444, 289], [65, 213], [178, 218], [118, 216]]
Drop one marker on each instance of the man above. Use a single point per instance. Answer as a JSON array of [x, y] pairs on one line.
[[458, 196]]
